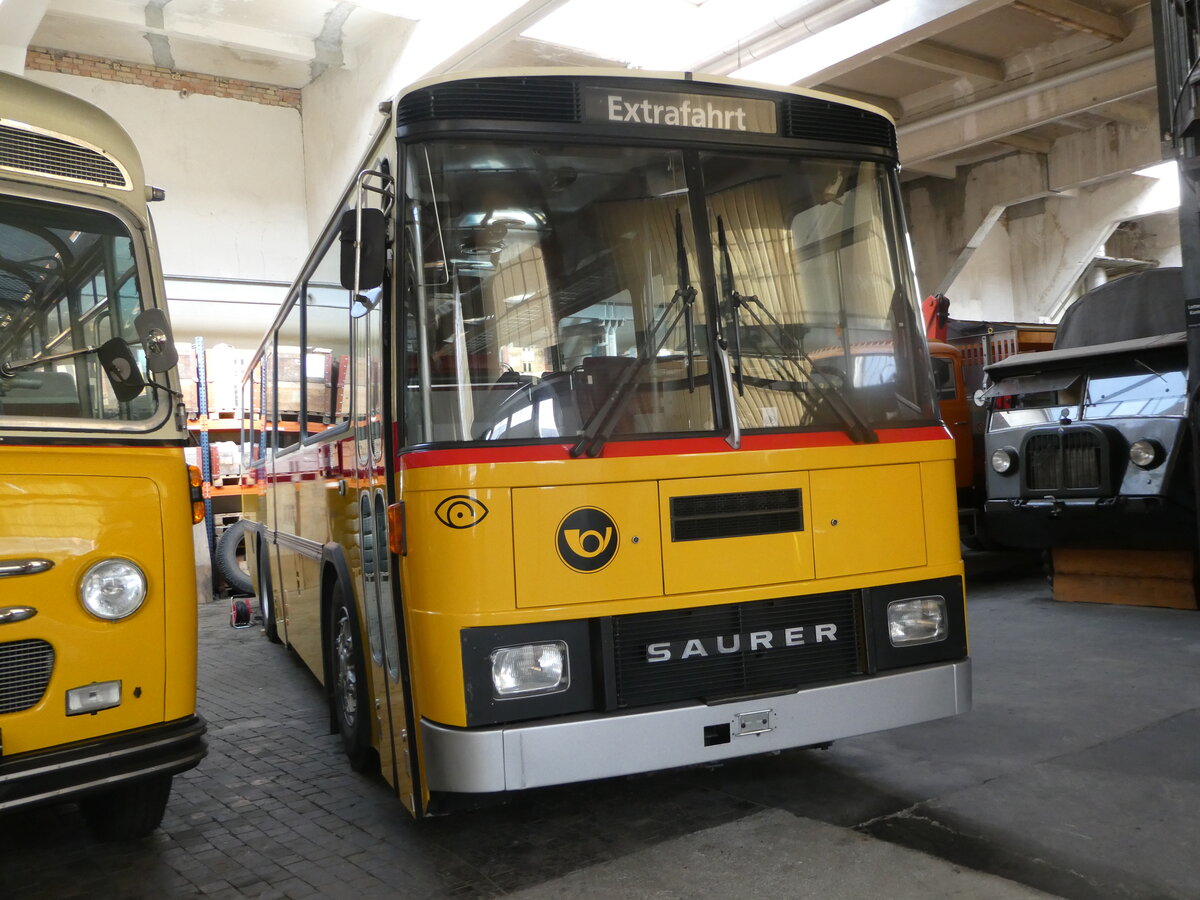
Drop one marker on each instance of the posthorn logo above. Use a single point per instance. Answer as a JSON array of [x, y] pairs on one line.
[[587, 539]]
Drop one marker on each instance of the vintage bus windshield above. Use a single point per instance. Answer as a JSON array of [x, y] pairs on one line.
[[558, 285], [68, 282]]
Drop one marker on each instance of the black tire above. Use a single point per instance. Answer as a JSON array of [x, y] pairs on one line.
[[266, 600], [351, 707], [232, 538], [239, 613], [129, 811]]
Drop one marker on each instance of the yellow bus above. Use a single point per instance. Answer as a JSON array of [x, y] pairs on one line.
[[97, 571], [598, 436]]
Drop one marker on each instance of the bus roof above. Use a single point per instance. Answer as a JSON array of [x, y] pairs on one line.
[[64, 139], [687, 78]]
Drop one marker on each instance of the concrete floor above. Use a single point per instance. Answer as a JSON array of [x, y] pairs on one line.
[[1077, 773]]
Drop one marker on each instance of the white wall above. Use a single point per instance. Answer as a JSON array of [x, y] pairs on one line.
[[233, 172]]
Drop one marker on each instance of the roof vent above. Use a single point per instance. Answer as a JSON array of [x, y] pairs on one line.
[[31, 151]]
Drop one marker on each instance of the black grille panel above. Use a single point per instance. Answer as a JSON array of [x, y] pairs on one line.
[[697, 677], [1070, 460], [708, 516], [25, 668], [42, 154], [533, 99], [809, 118]]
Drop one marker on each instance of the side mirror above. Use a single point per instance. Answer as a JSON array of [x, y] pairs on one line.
[[155, 333], [363, 254], [121, 369]]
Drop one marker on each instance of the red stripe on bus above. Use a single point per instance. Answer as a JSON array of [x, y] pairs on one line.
[[419, 459]]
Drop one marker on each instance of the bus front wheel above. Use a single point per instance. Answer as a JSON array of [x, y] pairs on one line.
[[351, 709], [127, 812]]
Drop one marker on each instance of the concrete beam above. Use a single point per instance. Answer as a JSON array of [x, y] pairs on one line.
[[953, 62], [18, 22], [243, 38], [1101, 153], [1026, 107], [1026, 144], [889, 105], [849, 45], [1077, 17]]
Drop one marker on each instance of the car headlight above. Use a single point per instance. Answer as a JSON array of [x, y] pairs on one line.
[[918, 620], [113, 589], [1004, 460], [530, 669], [1145, 454]]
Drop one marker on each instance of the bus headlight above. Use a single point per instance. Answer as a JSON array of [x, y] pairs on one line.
[[920, 620], [530, 669], [113, 589], [1145, 454], [1004, 460]]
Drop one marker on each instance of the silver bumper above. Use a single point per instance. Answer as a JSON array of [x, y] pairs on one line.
[[582, 748]]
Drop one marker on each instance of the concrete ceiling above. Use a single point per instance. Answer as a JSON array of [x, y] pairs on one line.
[[966, 80]]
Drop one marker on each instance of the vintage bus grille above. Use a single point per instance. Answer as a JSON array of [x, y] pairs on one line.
[[640, 682], [25, 668], [808, 118], [735, 515], [43, 154], [1065, 461], [534, 99]]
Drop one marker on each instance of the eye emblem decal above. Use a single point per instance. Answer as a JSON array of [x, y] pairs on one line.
[[587, 539], [460, 511]]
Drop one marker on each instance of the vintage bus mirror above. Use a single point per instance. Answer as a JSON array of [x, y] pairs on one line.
[[155, 333], [368, 263], [121, 369]]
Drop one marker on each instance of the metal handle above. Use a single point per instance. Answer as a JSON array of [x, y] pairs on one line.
[[23, 566], [10, 614]]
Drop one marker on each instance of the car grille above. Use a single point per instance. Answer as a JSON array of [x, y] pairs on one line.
[[25, 668], [640, 682], [709, 516], [1067, 460]]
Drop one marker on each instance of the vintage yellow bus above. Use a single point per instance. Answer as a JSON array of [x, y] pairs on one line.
[[97, 571], [563, 462]]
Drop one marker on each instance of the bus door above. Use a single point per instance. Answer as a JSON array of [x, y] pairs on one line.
[[375, 586]]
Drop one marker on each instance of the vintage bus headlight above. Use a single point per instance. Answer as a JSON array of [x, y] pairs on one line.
[[113, 589], [1004, 460], [1145, 454], [919, 620], [529, 669]]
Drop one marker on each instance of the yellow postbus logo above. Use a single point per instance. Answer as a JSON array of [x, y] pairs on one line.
[[587, 539]]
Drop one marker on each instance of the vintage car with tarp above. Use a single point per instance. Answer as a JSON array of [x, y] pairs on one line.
[[1087, 444]]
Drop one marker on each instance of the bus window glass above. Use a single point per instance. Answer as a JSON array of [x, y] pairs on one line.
[[810, 282], [57, 297], [289, 378], [327, 345], [543, 278]]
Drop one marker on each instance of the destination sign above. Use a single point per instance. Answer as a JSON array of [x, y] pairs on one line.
[[636, 107]]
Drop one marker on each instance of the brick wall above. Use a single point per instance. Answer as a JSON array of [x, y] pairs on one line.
[[86, 66]]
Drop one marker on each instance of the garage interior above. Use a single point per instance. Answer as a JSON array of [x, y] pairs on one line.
[[1034, 168]]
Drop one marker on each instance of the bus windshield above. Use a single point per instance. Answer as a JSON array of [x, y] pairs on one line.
[[557, 291], [68, 284]]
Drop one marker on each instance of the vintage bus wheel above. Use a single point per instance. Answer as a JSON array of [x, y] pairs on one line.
[[266, 600], [127, 812], [350, 705]]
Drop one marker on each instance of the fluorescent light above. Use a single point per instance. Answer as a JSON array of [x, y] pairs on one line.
[[1168, 169], [656, 34]]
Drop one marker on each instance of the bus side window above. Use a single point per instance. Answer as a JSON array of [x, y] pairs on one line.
[[326, 345]]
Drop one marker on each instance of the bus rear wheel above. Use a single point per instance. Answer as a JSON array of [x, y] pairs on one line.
[[348, 687], [129, 811]]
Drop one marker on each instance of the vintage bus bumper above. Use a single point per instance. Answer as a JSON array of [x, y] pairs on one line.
[[586, 747], [72, 770]]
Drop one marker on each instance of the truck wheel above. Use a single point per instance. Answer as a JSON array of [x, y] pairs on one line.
[[233, 538], [266, 600], [129, 811], [348, 684]]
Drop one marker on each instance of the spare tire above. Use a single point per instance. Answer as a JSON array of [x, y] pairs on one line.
[[231, 539]]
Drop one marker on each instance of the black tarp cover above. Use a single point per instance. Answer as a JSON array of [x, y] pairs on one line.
[[1140, 305]]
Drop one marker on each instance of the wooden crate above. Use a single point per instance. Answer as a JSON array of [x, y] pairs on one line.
[[1127, 577]]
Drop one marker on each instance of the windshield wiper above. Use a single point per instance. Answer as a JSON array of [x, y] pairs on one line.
[[856, 427], [598, 428]]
